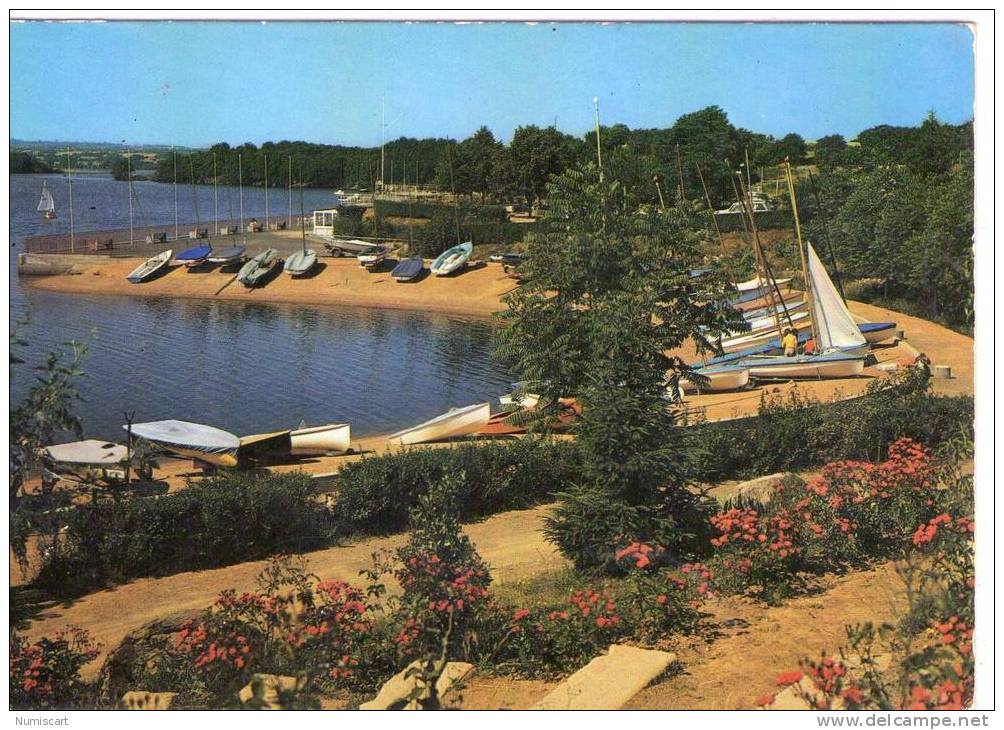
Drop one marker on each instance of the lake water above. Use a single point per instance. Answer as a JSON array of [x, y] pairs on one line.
[[247, 368]]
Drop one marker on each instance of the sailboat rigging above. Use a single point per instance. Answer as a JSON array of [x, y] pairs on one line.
[[303, 260], [46, 205]]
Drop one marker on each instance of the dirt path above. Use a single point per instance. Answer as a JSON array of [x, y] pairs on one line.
[[761, 642], [511, 543]]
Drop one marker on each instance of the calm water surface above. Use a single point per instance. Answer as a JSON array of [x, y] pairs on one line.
[[247, 368]]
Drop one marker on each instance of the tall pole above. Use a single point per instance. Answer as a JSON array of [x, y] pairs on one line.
[[383, 131], [240, 188], [707, 201], [129, 176], [801, 252], [759, 255], [216, 199], [69, 186], [599, 153], [289, 213], [826, 232], [266, 192], [679, 168], [749, 179], [175, 193]]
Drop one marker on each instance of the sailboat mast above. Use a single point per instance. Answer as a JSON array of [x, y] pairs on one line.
[[759, 255], [69, 186], [175, 193], [289, 213], [707, 201], [129, 177], [216, 198], [303, 227], [801, 252], [266, 191], [240, 188]]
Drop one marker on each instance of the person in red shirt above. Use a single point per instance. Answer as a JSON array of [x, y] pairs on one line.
[[810, 348]]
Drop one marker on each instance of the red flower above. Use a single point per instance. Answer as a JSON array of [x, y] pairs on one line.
[[786, 678]]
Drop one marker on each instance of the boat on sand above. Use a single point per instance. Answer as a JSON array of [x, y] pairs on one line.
[[319, 440], [191, 440], [717, 378], [455, 422], [452, 259], [408, 269], [255, 270], [150, 267]]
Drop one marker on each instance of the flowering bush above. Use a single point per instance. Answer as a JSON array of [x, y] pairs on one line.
[[45, 674], [550, 641], [853, 511], [445, 599]]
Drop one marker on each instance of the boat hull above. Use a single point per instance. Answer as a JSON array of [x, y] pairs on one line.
[[408, 269], [877, 331], [319, 440], [257, 268], [732, 378], [149, 267], [804, 367], [300, 262], [459, 422], [761, 338], [452, 259]]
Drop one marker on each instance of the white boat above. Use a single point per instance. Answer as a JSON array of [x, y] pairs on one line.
[[767, 322], [371, 258], [150, 267], [452, 259], [760, 283], [814, 367], [46, 205], [719, 378], [191, 440], [87, 453], [747, 340], [456, 422], [791, 306], [319, 440]]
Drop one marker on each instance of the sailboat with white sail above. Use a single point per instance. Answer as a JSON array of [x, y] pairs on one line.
[[46, 205], [839, 343]]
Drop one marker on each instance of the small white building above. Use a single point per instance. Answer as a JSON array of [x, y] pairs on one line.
[[324, 221]]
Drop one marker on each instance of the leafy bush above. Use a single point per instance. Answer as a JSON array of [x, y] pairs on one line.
[[220, 521], [796, 433], [376, 494], [45, 674]]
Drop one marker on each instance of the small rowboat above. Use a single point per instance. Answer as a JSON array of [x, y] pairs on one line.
[[319, 440], [371, 258], [192, 257], [228, 255], [719, 378], [191, 440], [257, 268], [408, 269], [877, 331], [300, 262], [456, 422], [149, 267], [452, 259]]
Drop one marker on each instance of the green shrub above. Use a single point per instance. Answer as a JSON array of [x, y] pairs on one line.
[[220, 521], [796, 433], [45, 674], [376, 494]]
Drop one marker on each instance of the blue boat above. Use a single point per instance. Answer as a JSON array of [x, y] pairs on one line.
[[877, 331], [195, 255], [408, 269]]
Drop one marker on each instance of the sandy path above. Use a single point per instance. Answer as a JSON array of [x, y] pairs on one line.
[[511, 543], [761, 642], [340, 281]]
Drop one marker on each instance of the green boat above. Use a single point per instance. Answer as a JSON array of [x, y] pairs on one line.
[[255, 270]]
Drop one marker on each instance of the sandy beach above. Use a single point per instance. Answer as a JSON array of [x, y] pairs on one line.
[[475, 291]]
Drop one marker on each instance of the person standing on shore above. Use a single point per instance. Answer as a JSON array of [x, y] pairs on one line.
[[789, 343]]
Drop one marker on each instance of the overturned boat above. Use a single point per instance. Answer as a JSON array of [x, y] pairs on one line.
[[456, 422], [191, 440]]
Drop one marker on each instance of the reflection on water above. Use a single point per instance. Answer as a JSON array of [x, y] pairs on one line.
[[244, 367]]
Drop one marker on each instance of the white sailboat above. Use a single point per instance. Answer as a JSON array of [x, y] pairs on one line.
[[46, 205], [838, 341]]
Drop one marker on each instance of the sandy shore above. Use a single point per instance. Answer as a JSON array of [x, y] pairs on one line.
[[339, 281]]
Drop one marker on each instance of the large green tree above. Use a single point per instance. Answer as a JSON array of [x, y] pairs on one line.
[[606, 294]]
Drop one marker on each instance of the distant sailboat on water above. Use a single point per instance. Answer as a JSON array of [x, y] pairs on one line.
[[46, 205]]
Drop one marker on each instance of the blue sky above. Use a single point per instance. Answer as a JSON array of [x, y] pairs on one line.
[[198, 83]]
